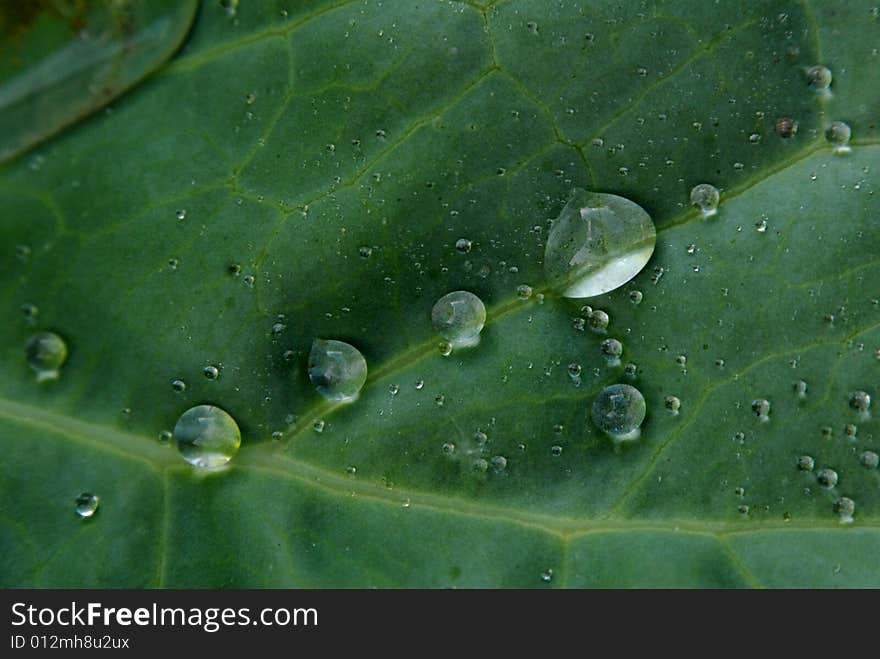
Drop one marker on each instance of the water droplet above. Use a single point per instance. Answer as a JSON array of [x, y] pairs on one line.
[[440, 400], [839, 133], [165, 436], [556, 450], [800, 388], [30, 312], [337, 369], [180, 215], [860, 401], [248, 281], [448, 448], [761, 225], [480, 465], [211, 372], [845, 508], [827, 432], [869, 459], [318, 425], [463, 245], [761, 408], [547, 575], [351, 471], [419, 385], [234, 269], [365, 251], [636, 297], [45, 353], [705, 197], [532, 27], [631, 370], [277, 435], [459, 317], [754, 138], [498, 463], [86, 504], [445, 348], [742, 509], [178, 385], [786, 127], [524, 291], [598, 321], [393, 389], [673, 404], [806, 463], [612, 349], [574, 372], [207, 436], [827, 478], [618, 411], [598, 243], [850, 430], [819, 77]]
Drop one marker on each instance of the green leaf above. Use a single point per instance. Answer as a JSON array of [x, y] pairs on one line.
[[62, 59], [293, 140]]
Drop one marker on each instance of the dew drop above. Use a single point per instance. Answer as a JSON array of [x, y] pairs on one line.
[[556, 450], [705, 197], [445, 348], [318, 425], [845, 508], [800, 389], [869, 459], [839, 133], [827, 478], [761, 408], [180, 215], [598, 321], [86, 504], [786, 127], [459, 317], [178, 385], [448, 448], [860, 401], [819, 77], [618, 411], [524, 291], [45, 353], [498, 463], [463, 245], [165, 436], [211, 372], [761, 225], [337, 369], [365, 251], [547, 575], [394, 389], [636, 297], [673, 404], [806, 463], [207, 436], [598, 243], [612, 349]]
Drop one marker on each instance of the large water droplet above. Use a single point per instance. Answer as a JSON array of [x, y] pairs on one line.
[[45, 353], [819, 77], [618, 411], [459, 317], [827, 477], [86, 504], [598, 243], [338, 370], [705, 197], [845, 508], [206, 436], [839, 133]]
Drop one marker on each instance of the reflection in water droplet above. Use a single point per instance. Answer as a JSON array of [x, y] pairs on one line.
[[459, 317], [618, 411], [337, 369], [45, 353], [207, 436], [598, 243], [86, 504]]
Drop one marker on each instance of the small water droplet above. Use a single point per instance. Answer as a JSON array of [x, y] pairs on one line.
[[524, 291], [165, 436], [211, 372], [459, 317], [419, 385], [180, 215], [761, 225], [337, 369], [850, 430], [839, 133], [86, 504], [800, 389], [612, 349], [819, 77], [556, 450], [448, 448], [705, 197], [351, 470], [673, 404], [761, 408], [598, 321], [365, 251], [598, 243], [45, 353], [869, 459], [207, 436], [827, 478], [860, 401], [786, 127], [463, 245], [631, 370], [636, 297], [806, 463], [618, 411], [547, 575], [498, 463], [393, 389], [318, 425], [845, 508], [178, 385], [440, 400], [445, 348]]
